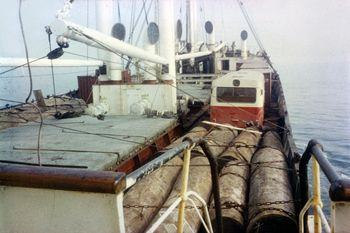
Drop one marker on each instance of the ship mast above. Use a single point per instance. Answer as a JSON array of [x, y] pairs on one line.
[[191, 22], [104, 22]]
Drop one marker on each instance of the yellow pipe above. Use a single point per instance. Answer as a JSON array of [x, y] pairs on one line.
[[316, 195], [183, 195]]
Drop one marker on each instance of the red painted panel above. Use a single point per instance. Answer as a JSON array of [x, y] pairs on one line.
[[85, 87], [237, 116]]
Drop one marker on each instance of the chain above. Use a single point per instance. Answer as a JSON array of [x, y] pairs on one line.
[[232, 205], [292, 215], [274, 203], [136, 206]]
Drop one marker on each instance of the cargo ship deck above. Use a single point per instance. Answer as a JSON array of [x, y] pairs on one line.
[[82, 142]]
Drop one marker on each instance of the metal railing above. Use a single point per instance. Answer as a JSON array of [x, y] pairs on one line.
[[185, 147], [339, 189], [181, 201]]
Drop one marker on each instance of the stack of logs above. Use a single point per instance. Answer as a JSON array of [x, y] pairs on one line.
[[248, 169]]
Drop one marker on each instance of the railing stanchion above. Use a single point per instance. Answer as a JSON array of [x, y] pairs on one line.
[[183, 194], [316, 195]]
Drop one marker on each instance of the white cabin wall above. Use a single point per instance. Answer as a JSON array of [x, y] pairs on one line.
[[124, 99], [44, 210]]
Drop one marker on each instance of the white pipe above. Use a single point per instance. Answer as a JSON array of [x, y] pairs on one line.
[[6, 62], [72, 31], [244, 51], [193, 22], [191, 55], [150, 67], [211, 40], [219, 47], [104, 24], [167, 45], [167, 36]]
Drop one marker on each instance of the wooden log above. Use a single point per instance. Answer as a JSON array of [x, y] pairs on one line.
[[272, 140], [220, 139], [244, 146], [40, 100], [196, 132], [234, 181], [153, 190], [199, 182], [269, 184]]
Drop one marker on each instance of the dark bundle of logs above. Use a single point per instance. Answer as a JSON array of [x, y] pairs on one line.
[[271, 203], [151, 196], [199, 181], [234, 181], [262, 173], [246, 171], [143, 201]]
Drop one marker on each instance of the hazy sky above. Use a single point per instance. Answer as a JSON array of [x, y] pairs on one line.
[[291, 30]]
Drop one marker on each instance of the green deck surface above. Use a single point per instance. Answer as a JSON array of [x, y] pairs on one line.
[[119, 137]]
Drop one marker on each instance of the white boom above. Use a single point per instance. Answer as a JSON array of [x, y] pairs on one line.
[[102, 41]]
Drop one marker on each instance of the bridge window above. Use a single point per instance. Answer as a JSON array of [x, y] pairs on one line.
[[236, 94], [225, 65]]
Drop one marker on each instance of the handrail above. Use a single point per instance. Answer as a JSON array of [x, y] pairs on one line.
[[185, 196], [187, 143], [339, 189]]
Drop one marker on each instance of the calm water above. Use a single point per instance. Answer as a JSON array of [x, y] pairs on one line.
[[318, 97], [317, 94]]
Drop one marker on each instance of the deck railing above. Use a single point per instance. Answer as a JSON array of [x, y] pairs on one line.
[[185, 147], [339, 192]]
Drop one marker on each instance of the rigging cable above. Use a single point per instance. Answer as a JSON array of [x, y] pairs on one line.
[[255, 34], [49, 33], [87, 25], [119, 15], [133, 27], [26, 51], [144, 9], [22, 65]]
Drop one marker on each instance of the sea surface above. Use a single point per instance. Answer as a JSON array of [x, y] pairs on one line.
[[318, 102], [317, 95]]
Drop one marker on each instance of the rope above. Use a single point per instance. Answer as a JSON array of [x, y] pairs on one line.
[[49, 33], [24, 64], [26, 50], [255, 34], [144, 9]]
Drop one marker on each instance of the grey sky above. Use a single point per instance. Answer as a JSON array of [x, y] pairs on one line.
[[293, 31]]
